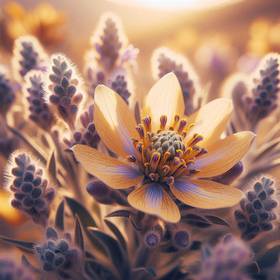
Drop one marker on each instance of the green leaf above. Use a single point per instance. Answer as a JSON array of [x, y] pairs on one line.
[[114, 251], [117, 233], [78, 209], [79, 239], [59, 217], [119, 213], [51, 168], [26, 246], [86, 220], [196, 221], [269, 258], [216, 220]]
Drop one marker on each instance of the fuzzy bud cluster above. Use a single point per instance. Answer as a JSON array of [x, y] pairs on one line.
[[108, 61], [265, 89], [257, 211], [109, 45], [64, 88], [39, 111], [30, 188], [87, 134], [58, 255], [28, 55]]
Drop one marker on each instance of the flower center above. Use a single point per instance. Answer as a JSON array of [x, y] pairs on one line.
[[166, 153], [167, 141]]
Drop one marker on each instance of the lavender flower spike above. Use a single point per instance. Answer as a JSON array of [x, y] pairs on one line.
[[27, 182], [39, 111], [265, 89], [64, 89], [108, 41], [257, 210], [86, 133], [28, 55]]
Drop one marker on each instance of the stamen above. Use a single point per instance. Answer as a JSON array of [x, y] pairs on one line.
[[201, 152], [182, 171], [182, 125], [154, 161], [147, 123], [131, 158], [140, 130], [165, 170], [195, 139], [176, 120], [139, 147], [163, 121], [179, 153], [177, 164], [164, 155]]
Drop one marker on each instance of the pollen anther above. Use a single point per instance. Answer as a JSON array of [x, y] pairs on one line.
[[165, 154]]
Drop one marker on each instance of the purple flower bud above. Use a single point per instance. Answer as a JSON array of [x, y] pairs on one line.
[[32, 195], [181, 239], [28, 55], [86, 134], [59, 255], [152, 238], [64, 88], [265, 89], [119, 85], [39, 111], [257, 210], [100, 191], [107, 41]]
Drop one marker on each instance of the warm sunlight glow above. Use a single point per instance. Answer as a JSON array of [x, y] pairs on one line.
[[177, 4]]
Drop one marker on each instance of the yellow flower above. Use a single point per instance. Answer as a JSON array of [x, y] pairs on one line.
[[167, 156]]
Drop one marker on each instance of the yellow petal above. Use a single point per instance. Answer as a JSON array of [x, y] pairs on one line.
[[153, 199], [114, 121], [113, 172], [205, 194], [224, 154], [164, 98], [211, 120]]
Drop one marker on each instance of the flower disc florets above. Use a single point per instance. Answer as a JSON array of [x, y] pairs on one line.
[[167, 141], [165, 154]]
